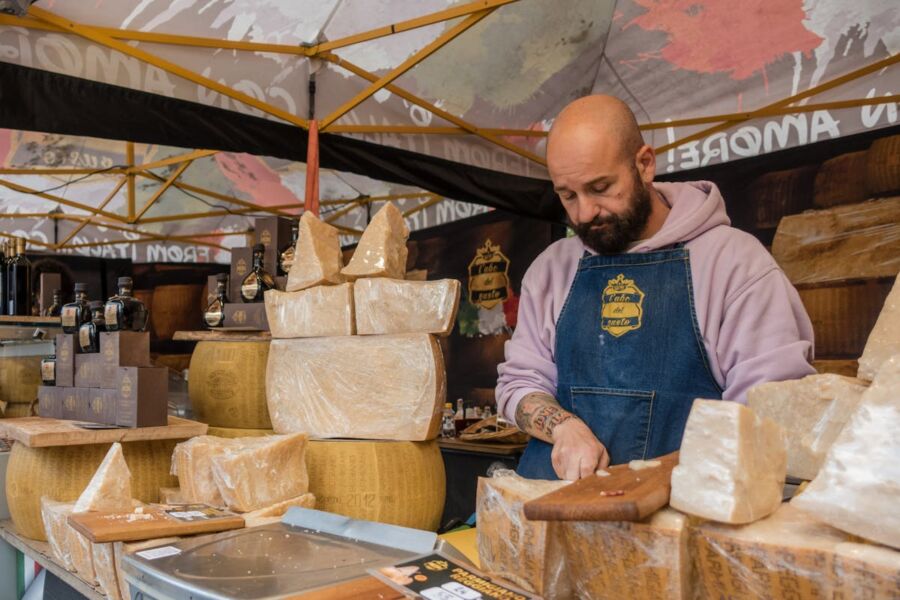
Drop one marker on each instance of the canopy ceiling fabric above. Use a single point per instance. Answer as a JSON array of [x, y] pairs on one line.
[[442, 123]]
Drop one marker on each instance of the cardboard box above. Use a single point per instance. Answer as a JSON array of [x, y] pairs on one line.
[[125, 348], [68, 397], [50, 402], [142, 396], [47, 283], [241, 265], [247, 316], [92, 371], [65, 359], [100, 407], [275, 234]]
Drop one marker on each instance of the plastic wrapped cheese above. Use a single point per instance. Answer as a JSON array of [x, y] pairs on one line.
[[397, 306], [110, 487], [259, 471], [617, 559], [323, 310], [732, 464], [105, 568], [274, 512], [192, 463], [812, 411], [884, 340], [171, 496], [389, 387], [317, 255], [858, 488], [381, 251], [789, 555], [526, 553]]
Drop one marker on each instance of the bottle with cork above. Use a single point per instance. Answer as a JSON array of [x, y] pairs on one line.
[[19, 282]]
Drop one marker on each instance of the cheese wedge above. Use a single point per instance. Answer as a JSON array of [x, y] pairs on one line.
[[526, 553], [317, 255], [812, 411], [324, 310], [261, 471], [732, 464], [385, 306], [274, 512], [381, 251], [858, 487], [884, 340], [389, 387], [110, 487]]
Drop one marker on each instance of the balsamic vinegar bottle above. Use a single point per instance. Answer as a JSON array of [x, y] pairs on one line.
[[55, 308], [124, 312], [19, 273], [89, 333], [258, 280], [75, 313], [215, 312], [286, 255], [4, 289]]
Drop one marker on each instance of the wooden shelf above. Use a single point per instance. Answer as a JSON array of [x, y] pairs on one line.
[[480, 447], [223, 335], [40, 552], [49, 321], [39, 432]]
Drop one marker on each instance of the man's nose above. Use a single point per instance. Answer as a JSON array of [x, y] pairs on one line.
[[587, 209]]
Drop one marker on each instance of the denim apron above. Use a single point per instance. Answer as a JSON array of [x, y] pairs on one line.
[[629, 355]]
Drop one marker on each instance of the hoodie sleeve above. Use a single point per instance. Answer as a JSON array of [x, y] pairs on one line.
[[529, 365], [765, 335]]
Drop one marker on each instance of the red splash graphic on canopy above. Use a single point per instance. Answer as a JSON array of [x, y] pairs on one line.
[[724, 36]]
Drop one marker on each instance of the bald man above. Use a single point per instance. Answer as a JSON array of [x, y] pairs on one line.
[[656, 301]]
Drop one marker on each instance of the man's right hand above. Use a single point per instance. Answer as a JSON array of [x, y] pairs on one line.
[[577, 452]]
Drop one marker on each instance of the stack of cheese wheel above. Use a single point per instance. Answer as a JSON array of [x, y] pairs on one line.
[[20, 377], [354, 363]]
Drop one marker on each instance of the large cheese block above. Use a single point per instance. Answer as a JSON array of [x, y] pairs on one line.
[[62, 473], [884, 340], [789, 555], [105, 568], [317, 255], [363, 387], [851, 241], [323, 310], [192, 464], [261, 471], [227, 385], [381, 251], [732, 464], [812, 411], [617, 559], [529, 554], [841, 180], [20, 377], [110, 487], [274, 512], [397, 306], [54, 516], [858, 487], [401, 483]]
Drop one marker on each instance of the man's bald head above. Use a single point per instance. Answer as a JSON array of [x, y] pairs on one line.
[[592, 122]]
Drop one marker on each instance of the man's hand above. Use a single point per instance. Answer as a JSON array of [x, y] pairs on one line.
[[576, 451]]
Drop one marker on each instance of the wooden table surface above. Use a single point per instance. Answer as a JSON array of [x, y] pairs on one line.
[[480, 447]]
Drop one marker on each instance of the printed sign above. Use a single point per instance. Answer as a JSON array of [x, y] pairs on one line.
[[488, 276]]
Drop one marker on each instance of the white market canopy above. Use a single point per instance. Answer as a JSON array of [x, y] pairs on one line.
[[172, 121]]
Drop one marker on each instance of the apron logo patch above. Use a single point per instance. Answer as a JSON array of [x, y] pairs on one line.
[[488, 279], [623, 306]]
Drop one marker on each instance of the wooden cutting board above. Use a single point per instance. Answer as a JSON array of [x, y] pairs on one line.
[[156, 521], [41, 432], [597, 498]]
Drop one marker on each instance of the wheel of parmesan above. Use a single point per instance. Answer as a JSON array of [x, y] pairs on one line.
[[62, 472], [20, 377], [227, 384], [401, 483]]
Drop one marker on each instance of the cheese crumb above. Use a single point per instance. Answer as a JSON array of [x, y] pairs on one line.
[[601, 473], [637, 465]]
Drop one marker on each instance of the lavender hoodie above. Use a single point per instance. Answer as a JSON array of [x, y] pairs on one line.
[[753, 324]]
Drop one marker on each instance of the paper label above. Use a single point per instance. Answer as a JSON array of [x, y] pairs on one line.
[[68, 316], [110, 315], [155, 553]]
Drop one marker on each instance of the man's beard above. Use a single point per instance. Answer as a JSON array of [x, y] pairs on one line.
[[618, 231]]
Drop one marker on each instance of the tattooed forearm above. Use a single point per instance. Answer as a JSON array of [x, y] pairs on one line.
[[539, 414]]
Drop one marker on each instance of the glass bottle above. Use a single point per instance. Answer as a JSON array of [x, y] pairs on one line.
[[19, 282], [286, 256], [124, 312], [48, 370], [257, 280], [215, 312], [89, 333], [55, 308], [448, 429], [4, 295], [75, 313]]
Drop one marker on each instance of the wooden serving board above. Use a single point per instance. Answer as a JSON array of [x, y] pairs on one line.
[[40, 432], [222, 334], [156, 521], [645, 491]]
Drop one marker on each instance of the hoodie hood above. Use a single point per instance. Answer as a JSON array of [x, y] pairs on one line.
[[696, 207]]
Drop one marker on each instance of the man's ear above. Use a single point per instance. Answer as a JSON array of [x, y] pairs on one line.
[[645, 162]]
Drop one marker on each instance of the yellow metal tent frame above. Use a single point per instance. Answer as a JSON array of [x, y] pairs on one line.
[[469, 15]]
